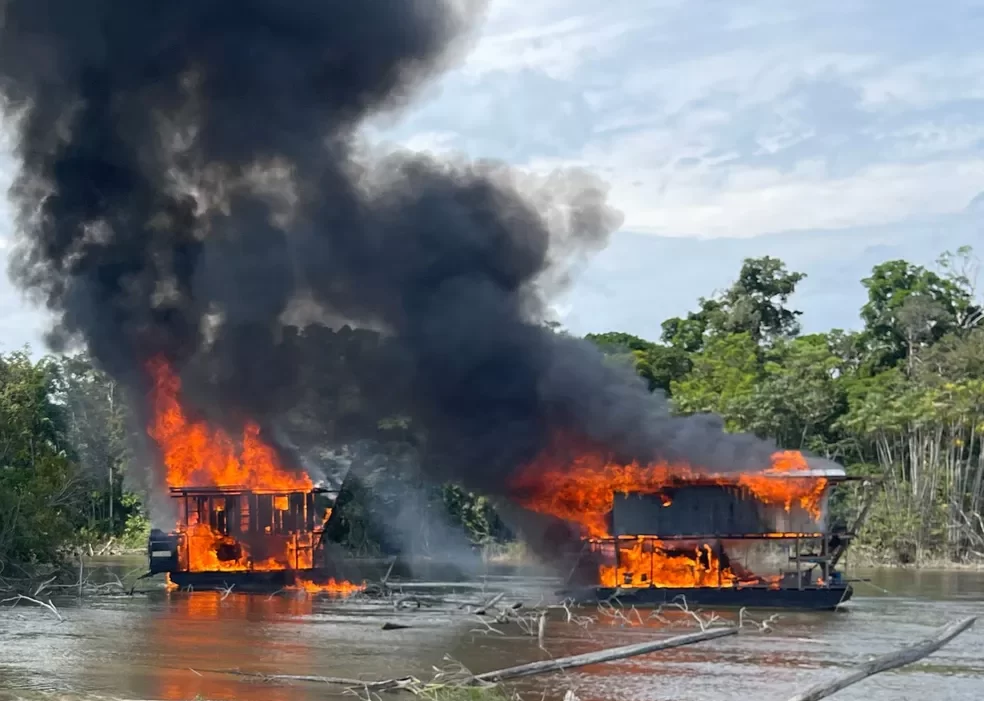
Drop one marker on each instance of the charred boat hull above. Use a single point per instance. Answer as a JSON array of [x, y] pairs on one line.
[[808, 598], [262, 582]]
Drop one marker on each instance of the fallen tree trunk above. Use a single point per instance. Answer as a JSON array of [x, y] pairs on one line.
[[609, 655], [884, 663]]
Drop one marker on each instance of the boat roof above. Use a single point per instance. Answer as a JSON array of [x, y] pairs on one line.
[[817, 467], [205, 491]]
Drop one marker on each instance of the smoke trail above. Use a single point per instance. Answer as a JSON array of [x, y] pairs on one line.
[[192, 175]]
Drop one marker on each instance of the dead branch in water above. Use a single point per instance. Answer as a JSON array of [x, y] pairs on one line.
[[389, 571], [43, 604], [526, 670], [490, 603], [607, 655], [892, 660], [80, 580]]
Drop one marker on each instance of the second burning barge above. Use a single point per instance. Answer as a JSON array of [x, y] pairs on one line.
[[757, 540]]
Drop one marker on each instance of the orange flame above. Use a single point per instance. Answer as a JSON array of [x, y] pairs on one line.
[[581, 490], [211, 551], [197, 455], [649, 562], [332, 587]]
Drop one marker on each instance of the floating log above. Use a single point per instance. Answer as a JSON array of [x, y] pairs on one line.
[[608, 655], [490, 603], [892, 660], [394, 626]]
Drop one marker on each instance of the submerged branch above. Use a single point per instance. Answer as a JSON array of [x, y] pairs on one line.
[[607, 655], [525, 670], [892, 660]]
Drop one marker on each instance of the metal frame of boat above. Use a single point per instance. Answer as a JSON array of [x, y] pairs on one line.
[[246, 515], [810, 580]]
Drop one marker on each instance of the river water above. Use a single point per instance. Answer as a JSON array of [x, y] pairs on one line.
[[182, 646]]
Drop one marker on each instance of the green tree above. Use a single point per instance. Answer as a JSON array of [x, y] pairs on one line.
[[910, 307], [756, 304], [800, 395], [96, 415], [723, 380], [40, 490], [658, 364], [474, 513], [687, 334]]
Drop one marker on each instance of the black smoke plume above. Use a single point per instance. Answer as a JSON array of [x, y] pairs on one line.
[[193, 178]]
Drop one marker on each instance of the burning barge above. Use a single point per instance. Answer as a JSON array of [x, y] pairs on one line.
[[656, 534], [247, 539], [242, 519]]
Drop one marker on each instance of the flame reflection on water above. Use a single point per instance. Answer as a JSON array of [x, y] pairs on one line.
[[163, 647], [189, 629]]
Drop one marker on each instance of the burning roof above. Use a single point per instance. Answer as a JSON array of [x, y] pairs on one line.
[[579, 488]]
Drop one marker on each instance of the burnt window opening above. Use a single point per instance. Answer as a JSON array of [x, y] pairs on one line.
[[223, 514], [264, 514], [249, 513], [281, 514]]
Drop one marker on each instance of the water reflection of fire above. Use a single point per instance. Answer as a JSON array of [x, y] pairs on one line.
[[190, 626]]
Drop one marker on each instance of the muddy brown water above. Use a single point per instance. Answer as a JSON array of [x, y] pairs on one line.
[[172, 647]]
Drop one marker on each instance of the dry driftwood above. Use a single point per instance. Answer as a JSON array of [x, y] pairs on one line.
[[615, 653], [892, 660]]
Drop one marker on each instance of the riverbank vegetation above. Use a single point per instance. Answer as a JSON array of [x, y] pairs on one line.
[[63, 450], [901, 399]]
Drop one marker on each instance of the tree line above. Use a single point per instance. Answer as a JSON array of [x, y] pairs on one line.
[[63, 451], [901, 399]]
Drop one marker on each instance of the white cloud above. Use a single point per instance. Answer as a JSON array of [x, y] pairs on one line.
[[924, 82], [436, 142], [752, 201], [723, 119], [557, 49]]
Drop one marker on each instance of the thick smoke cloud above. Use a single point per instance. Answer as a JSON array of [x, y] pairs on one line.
[[192, 175]]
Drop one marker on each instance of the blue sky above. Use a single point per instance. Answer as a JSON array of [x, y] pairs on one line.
[[832, 134]]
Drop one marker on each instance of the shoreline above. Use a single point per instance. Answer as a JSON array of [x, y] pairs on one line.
[[518, 556], [925, 566]]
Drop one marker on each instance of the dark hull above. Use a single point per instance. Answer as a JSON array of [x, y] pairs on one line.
[[264, 582], [816, 599]]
